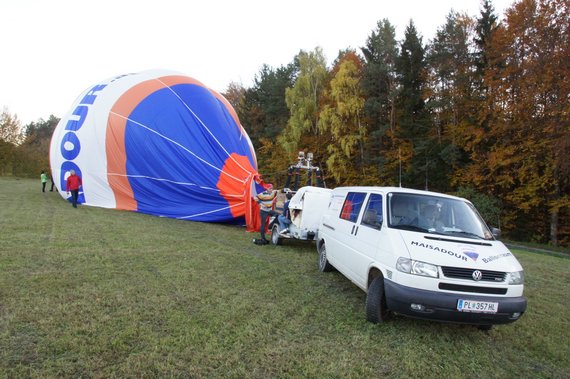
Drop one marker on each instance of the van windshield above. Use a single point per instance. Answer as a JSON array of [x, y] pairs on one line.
[[436, 215]]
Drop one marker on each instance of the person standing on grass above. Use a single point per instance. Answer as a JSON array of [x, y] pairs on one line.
[[52, 183], [43, 178], [265, 200], [72, 185]]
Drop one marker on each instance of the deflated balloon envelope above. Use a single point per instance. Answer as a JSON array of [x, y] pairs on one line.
[[156, 142]]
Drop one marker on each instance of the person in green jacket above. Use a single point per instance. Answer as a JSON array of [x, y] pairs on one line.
[[43, 177]]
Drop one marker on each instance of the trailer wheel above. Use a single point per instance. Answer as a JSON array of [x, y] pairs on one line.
[[275, 239], [324, 265], [376, 309]]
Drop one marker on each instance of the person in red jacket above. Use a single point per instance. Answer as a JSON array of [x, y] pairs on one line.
[[72, 185]]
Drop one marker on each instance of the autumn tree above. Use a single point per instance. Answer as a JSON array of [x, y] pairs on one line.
[[10, 128], [474, 139], [33, 154], [303, 99], [235, 94], [6, 158], [528, 137], [10, 137], [341, 117]]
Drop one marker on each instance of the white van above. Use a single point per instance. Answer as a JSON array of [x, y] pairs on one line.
[[420, 254]]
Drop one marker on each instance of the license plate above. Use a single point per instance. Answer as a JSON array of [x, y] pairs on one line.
[[477, 306]]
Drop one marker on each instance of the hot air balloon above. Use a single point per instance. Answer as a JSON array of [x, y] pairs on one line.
[[157, 142]]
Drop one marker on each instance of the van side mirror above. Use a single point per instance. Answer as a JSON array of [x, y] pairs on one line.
[[496, 232]]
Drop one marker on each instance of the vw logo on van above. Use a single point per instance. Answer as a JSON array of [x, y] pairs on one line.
[[477, 275]]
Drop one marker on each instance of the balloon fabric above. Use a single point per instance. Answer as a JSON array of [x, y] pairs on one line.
[[157, 142]]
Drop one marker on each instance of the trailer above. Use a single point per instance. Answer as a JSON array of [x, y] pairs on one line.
[[306, 208]]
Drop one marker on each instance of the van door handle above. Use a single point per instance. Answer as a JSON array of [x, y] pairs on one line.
[[328, 226], [352, 231], [356, 231]]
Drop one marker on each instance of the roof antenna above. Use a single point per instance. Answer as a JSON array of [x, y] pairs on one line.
[[400, 161], [427, 165]]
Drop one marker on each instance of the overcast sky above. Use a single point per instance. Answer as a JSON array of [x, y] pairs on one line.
[[53, 50]]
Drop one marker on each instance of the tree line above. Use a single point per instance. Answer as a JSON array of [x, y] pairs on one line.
[[482, 111], [24, 153]]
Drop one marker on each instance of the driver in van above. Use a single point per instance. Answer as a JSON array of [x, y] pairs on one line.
[[430, 218]]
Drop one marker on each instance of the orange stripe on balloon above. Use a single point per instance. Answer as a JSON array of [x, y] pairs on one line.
[[173, 80], [230, 188], [115, 142], [117, 162]]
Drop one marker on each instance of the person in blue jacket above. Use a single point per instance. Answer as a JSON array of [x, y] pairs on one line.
[[284, 219]]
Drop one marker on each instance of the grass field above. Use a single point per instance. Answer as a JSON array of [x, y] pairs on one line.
[[93, 292]]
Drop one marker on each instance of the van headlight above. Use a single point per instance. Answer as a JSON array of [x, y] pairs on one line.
[[409, 266], [515, 277]]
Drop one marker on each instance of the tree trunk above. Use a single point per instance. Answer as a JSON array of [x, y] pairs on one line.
[[392, 115], [554, 227]]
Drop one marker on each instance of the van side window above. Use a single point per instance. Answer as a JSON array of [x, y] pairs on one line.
[[373, 213], [352, 205]]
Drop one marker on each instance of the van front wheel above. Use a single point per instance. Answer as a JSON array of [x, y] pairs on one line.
[[324, 265], [376, 309]]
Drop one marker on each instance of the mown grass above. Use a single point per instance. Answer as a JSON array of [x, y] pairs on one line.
[[93, 292]]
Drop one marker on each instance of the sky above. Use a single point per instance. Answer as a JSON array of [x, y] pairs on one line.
[[53, 50]]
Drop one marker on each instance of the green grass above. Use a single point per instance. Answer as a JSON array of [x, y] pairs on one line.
[[93, 292]]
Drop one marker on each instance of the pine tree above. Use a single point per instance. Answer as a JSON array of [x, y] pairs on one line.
[[413, 121], [379, 86], [451, 99], [264, 114]]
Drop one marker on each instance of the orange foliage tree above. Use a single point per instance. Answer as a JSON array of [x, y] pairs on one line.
[[527, 144]]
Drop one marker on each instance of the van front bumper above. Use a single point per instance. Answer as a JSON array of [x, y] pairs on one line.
[[442, 306]]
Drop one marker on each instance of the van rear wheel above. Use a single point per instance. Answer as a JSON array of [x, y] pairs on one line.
[[324, 265], [376, 309]]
